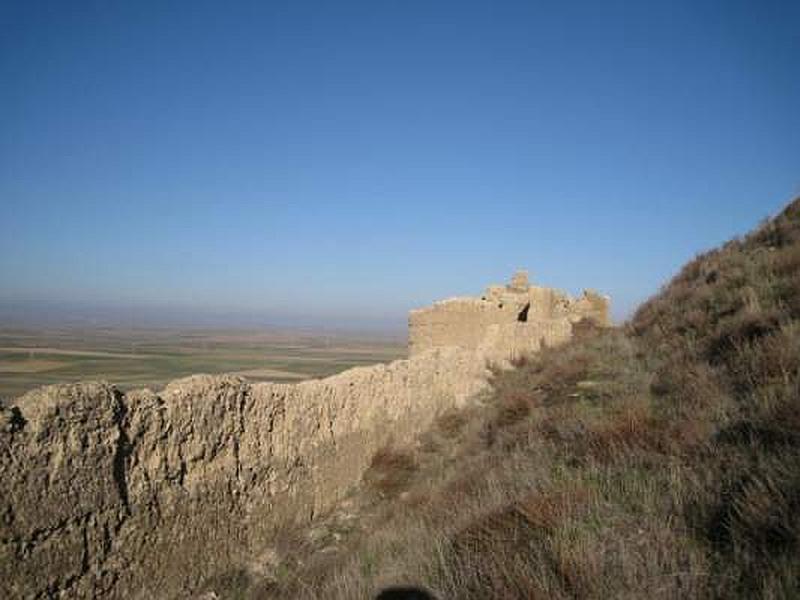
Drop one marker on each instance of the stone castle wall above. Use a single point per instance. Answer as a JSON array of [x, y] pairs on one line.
[[506, 321]]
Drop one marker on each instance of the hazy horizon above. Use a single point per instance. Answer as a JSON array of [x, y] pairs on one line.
[[336, 165], [42, 314]]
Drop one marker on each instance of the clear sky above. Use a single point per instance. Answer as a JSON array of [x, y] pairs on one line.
[[343, 162]]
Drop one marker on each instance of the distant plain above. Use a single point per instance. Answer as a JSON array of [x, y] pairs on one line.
[[135, 358]]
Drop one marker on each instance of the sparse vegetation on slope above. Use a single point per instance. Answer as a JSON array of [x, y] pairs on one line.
[[658, 459]]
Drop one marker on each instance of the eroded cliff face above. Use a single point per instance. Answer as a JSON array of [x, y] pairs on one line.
[[145, 495]]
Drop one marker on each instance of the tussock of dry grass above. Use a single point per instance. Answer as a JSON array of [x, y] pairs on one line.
[[390, 471], [659, 460]]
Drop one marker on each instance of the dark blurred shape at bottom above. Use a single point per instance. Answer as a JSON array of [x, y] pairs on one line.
[[404, 593]]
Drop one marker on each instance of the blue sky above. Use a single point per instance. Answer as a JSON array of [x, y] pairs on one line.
[[343, 162]]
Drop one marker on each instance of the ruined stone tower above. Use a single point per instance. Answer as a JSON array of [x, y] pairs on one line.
[[505, 321]]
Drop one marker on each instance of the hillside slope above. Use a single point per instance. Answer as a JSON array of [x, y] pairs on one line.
[[659, 459]]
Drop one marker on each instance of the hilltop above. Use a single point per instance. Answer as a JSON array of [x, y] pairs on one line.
[[659, 458]]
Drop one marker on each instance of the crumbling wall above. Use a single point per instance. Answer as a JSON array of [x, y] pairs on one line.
[[145, 495], [505, 321], [594, 307], [509, 341]]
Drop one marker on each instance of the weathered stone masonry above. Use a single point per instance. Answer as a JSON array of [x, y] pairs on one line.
[[506, 321]]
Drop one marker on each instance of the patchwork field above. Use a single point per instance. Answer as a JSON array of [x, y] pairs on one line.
[[132, 358]]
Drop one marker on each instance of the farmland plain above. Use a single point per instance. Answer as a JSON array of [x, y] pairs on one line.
[[134, 358]]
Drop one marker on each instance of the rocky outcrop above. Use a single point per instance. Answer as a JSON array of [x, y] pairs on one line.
[[144, 495]]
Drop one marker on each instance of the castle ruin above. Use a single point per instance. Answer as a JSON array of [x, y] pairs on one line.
[[144, 494], [506, 322]]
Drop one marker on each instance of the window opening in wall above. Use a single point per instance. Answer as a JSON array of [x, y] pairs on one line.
[[522, 317]]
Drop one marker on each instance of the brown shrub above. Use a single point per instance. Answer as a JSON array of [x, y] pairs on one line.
[[782, 231], [632, 428], [451, 423], [741, 328], [511, 410], [547, 509], [464, 485], [390, 471], [788, 291], [495, 557], [761, 513], [786, 262]]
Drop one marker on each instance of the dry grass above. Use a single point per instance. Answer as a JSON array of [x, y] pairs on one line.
[[660, 459], [390, 471]]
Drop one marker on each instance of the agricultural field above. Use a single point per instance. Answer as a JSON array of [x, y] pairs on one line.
[[135, 358]]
